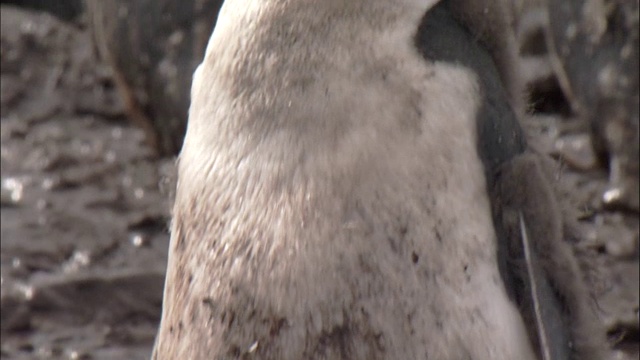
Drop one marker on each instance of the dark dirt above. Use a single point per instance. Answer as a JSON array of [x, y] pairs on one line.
[[85, 204], [84, 224]]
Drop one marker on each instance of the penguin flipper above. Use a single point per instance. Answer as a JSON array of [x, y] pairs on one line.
[[545, 307], [541, 272]]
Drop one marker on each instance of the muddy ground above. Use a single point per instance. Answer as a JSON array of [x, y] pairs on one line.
[[85, 204], [84, 223]]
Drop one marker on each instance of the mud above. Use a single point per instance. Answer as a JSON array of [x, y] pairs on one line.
[[84, 224]]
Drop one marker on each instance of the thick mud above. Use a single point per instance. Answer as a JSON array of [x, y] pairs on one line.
[[84, 223]]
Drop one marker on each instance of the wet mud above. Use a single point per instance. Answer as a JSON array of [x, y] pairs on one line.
[[84, 223]]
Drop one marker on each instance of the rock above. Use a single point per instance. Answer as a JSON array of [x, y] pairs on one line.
[[153, 47], [67, 10], [594, 48]]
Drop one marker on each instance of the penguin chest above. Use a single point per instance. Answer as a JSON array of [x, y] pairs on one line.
[[374, 243]]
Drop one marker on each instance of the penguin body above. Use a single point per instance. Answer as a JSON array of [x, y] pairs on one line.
[[334, 188]]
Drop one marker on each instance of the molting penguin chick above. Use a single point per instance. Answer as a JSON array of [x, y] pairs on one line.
[[336, 187]]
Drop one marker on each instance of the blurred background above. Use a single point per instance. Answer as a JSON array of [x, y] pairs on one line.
[[94, 100]]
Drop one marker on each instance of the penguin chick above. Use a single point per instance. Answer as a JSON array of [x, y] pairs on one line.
[[333, 197]]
